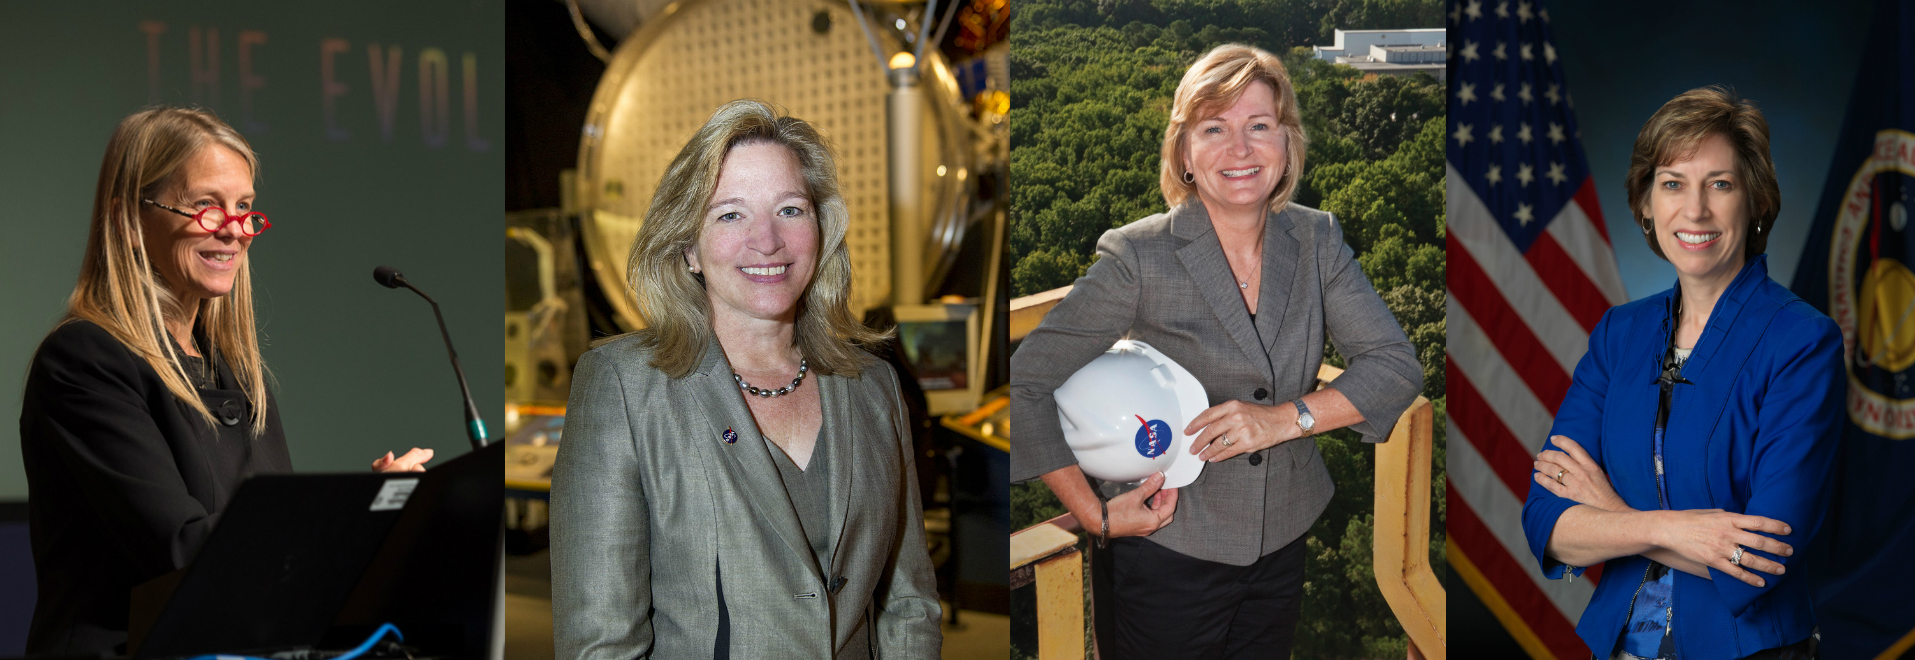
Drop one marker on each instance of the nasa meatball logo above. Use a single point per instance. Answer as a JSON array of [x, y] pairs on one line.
[[1153, 437], [1872, 290]]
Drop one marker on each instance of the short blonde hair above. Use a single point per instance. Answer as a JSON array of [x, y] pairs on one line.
[[118, 288], [1214, 83], [1678, 129], [672, 301]]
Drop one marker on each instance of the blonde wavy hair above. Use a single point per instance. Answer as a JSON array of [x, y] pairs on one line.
[[119, 289], [672, 301], [1214, 83]]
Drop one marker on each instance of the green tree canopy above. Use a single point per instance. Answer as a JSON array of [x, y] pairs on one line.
[[1092, 82]]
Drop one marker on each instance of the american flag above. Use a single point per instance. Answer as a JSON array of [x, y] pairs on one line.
[[1531, 271]]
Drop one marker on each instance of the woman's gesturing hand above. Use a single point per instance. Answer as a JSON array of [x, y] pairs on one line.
[[1130, 517], [1582, 480], [1237, 427], [1710, 536], [413, 461]]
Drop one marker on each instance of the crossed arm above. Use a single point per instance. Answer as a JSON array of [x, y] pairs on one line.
[[1603, 527]]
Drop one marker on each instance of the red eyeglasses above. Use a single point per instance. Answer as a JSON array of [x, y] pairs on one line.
[[213, 218]]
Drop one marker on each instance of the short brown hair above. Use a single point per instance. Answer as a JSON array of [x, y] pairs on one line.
[[1213, 83], [1675, 132]]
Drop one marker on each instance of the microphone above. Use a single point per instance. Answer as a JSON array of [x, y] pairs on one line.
[[391, 278]]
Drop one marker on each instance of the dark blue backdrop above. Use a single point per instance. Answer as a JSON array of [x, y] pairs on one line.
[[1625, 58]]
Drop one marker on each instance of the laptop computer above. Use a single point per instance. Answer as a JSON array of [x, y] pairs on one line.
[[296, 556]]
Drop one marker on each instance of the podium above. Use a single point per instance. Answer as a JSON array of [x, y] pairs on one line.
[[321, 560]]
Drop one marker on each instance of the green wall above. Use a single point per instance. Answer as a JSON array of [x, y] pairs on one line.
[[350, 176]]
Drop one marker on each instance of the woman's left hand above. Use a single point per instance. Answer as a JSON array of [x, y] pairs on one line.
[[1248, 427], [1582, 479], [413, 461]]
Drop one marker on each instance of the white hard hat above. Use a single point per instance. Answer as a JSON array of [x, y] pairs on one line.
[[1124, 413]]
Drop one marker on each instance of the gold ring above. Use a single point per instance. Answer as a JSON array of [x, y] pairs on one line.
[[1559, 476]]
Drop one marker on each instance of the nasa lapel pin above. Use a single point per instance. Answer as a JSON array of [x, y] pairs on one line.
[[731, 437]]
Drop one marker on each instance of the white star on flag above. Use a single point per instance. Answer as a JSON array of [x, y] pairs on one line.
[[1525, 174], [1496, 134], [1556, 173], [1549, 53], [1502, 9], [1523, 12], [1527, 53], [1555, 133], [1466, 93], [1525, 213], [1502, 51], [1523, 133], [1474, 10], [1497, 93], [1469, 52], [1524, 94], [1462, 134], [1495, 175], [1554, 94]]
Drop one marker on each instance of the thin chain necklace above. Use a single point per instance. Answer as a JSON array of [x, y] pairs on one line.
[[1245, 284], [802, 366]]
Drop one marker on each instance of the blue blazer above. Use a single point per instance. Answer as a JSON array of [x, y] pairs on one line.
[[1755, 433]]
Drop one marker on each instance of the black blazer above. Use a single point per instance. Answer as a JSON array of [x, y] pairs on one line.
[[124, 480]]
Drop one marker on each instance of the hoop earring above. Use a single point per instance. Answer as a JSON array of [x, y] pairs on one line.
[[1189, 178]]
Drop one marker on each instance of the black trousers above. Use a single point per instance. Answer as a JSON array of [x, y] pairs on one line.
[[1153, 603]]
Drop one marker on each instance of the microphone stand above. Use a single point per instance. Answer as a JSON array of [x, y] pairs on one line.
[[391, 278]]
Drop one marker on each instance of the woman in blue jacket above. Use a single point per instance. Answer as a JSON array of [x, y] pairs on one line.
[[1692, 453]]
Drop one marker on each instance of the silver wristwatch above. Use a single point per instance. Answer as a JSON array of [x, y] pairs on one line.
[[1305, 420]]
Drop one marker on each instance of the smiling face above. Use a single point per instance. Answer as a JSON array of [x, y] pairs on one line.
[[758, 243], [1238, 155], [1701, 213], [193, 263]]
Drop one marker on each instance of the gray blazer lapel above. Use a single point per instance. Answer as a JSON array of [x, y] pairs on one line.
[[717, 398], [1204, 258], [1279, 272], [840, 432]]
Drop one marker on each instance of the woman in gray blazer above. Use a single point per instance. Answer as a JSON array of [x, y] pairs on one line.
[[1241, 287], [736, 479]]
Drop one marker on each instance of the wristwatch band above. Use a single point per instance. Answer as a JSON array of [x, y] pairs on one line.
[[1305, 420]]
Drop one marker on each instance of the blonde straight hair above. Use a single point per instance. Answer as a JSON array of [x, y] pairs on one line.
[[672, 301], [1211, 85], [119, 289]]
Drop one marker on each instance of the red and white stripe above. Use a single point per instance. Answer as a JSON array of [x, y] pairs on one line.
[[1517, 324]]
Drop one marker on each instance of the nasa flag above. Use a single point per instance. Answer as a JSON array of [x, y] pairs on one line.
[[1855, 267]]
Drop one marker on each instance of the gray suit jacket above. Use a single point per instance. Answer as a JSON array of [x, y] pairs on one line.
[[1164, 280], [651, 508]]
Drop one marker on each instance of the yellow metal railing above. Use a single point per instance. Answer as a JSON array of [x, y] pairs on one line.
[[1046, 554]]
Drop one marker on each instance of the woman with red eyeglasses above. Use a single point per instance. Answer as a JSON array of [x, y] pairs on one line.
[[147, 405]]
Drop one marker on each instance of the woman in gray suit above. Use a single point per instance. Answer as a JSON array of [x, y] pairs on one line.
[[1241, 287], [736, 479]]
